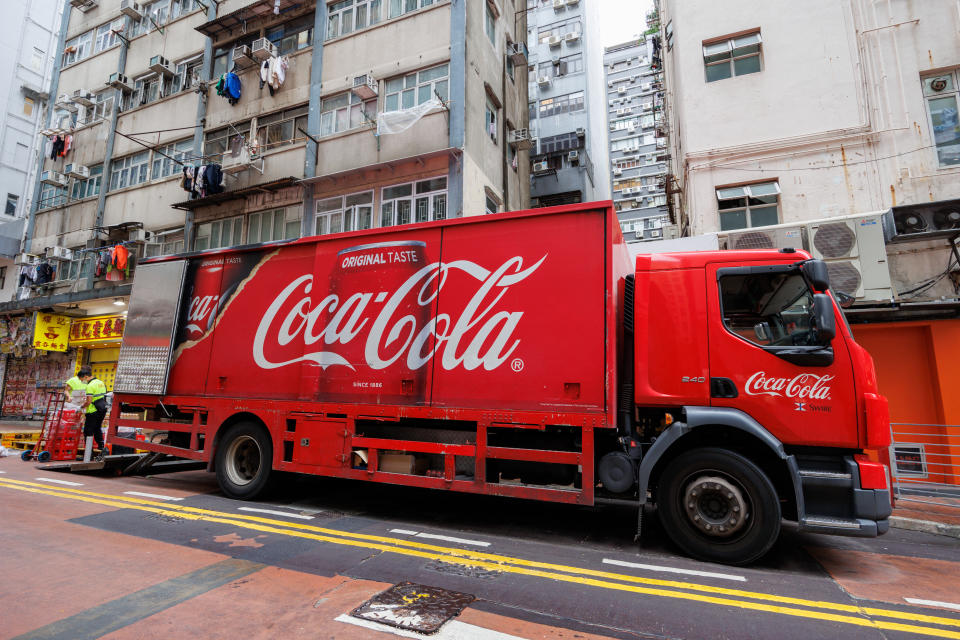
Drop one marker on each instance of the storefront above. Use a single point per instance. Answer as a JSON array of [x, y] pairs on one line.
[[37, 360], [97, 343]]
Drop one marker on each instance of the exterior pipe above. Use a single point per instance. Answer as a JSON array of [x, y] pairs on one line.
[[458, 105], [313, 118]]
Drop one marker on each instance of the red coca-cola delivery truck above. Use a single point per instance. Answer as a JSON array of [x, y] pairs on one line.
[[521, 354]]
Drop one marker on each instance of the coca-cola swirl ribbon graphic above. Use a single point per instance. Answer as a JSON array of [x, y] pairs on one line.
[[340, 317], [802, 386]]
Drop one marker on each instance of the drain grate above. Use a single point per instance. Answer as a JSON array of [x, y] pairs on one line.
[[463, 570], [414, 607]]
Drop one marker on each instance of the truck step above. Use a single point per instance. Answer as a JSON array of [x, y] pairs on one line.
[[816, 473], [828, 521], [839, 526]]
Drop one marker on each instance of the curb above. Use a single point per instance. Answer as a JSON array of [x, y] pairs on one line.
[[927, 526]]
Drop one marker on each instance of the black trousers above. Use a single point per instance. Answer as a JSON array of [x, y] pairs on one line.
[[92, 423]]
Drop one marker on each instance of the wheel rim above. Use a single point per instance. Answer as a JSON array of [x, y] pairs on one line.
[[716, 505], [243, 460]]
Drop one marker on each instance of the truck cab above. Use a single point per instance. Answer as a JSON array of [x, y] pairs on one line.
[[754, 401]]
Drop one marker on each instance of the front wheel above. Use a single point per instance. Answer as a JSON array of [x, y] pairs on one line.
[[243, 461], [718, 506]]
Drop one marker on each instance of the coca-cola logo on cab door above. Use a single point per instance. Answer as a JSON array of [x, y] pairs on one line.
[[803, 386], [392, 331]]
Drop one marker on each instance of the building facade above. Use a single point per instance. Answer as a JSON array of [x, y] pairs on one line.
[[320, 117], [567, 111], [635, 122], [834, 126]]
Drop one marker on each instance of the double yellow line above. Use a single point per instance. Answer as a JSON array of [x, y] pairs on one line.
[[691, 591]]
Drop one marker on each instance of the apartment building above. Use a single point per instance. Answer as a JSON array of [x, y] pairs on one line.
[[834, 126], [567, 112], [637, 139], [334, 116], [26, 62]]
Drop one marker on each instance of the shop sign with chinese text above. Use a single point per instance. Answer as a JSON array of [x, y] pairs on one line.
[[50, 332], [96, 329]]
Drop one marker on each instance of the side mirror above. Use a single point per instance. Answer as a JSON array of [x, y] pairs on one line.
[[823, 319], [762, 331], [816, 273], [844, 300]]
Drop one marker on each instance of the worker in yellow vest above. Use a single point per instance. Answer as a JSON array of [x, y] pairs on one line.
[[96, 410], [76, 387]]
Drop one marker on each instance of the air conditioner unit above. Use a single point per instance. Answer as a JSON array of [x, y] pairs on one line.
[[520, 139], [621, 111], [654, 233], [554, 41], [65, 102], [161, 66], [646, 106], [78, 171], [646, 86], [571, 3], [83, 97], [263, 49], [573, 36], [243, 56], [119, 81], [543, 81], [59, 253], [131, 9], [240, 162], [772, 237], [83, 5], [930, 220], [651, 188], [54, 178], [541, 166], [559, 4], [518, 53], [365, 87], [139, 235], [618, 171], [573, 157], [855, 251], [621, 89], [24, 258], [581, 132]]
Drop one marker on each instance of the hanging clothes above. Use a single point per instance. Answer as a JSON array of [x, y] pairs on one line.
[[198, 184], [44, 273], [118, 257], [103, 263], [186, 181], [265, 73], [56, 148], [233, 88], [213, 179], [277, 72], [26, 277], [67, 143], [221, 85]]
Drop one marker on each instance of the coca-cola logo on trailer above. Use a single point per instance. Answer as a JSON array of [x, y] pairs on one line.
[[803, 386], [392, 334]]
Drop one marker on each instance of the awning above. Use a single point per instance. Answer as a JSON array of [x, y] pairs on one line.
[[226, 196], [237, 20]]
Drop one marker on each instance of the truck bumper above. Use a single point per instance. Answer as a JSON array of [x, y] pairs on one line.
[[836, 503]]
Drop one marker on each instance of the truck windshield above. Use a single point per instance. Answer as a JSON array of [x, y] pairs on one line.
[[768, 309]]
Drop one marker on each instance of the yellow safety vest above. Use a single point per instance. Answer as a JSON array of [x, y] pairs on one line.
[[96, 390]]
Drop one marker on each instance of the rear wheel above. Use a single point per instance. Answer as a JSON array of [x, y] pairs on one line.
[[244, 458], [719, 506]]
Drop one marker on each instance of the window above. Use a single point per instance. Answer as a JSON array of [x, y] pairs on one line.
[[532, 112], [349, 15], [278, 224], [768, 309], [105, 38], [221, 55], [400, 7], [52, 196], [281, 128], [185, 74], [182, 8], [416, 88], [909, 460], [510, 66], [940, 94], [561, 66], [490, 22], [344, 213], [623, 144], [755, 205], [36, 60], [219, 233], [3, 277], [732, 57], [89, 187], [102, 106], [562, 142], [165, 157], [414, 202], [215, 143], [11, 209], [146, 90], [129, 171], [292, 36], [490, 120], [344, 112], [28, 106], [561, 104], [154, 15], [490, 204], [76, 49], [165, 243], [559, 29]]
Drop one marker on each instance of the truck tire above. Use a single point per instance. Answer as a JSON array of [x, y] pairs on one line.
[[717, 505], [244, 458]]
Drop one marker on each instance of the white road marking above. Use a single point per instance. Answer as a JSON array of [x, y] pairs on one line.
[[277, 513], [2, 471], [934, 603], [690, 572], [151, 495], [66, 482], [453, 630], [434, 536]]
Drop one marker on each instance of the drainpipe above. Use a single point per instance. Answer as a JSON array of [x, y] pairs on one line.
[[51, 97], [458, 106], [206, 68], [111, 137], [313, 117]]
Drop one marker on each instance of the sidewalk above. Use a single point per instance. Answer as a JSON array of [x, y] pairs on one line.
[[939, 515], [9, 425]]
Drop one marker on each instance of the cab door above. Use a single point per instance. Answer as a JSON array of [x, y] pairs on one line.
[[767, 360]]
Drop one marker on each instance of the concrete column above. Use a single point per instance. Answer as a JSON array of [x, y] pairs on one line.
[[458, 105], [313, 116]]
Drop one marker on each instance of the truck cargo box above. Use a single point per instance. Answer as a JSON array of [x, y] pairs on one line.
[[508, 312]]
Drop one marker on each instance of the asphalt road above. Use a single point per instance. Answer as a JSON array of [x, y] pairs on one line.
[[168, 556]]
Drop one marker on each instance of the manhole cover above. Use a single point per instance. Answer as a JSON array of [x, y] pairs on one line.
[[413, 606]]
